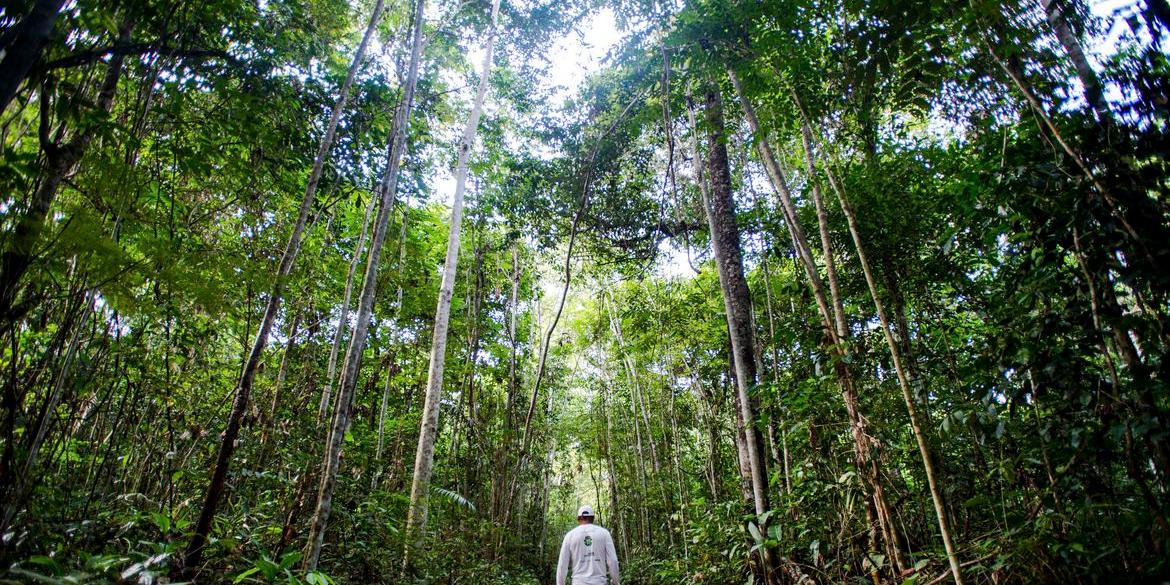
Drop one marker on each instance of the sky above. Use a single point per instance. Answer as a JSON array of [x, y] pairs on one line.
[[581, 52], [571, 59]]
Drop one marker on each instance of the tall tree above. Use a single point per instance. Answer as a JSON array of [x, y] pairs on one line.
[[339, 422], [725, 242], [243, 391], [424, 458]]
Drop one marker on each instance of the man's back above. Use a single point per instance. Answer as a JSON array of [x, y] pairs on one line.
[[586, 552]]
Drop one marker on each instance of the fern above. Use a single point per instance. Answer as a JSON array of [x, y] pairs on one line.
[[453, 497]]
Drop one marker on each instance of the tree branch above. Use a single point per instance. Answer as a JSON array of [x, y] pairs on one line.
[[85, 57]]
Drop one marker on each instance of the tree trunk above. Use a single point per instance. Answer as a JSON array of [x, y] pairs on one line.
[[343, 317], [867, 462], [500, 478], [391, 370], [903, 380], [270, 417], [1054, 10], [680, 483], [24, 481], [737, 300], [743, 459], [59, 162], [227, 446], [1015, 72], [614, 509], [22, 46], [636, 395], [339, 422], [826, 242], [416, 519], [832, 323], [781, 457]]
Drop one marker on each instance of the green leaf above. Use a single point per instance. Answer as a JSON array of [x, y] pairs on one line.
[[453, 497], [246, 574], [318, 578], [755, 532], [47, 562], [290, 559]]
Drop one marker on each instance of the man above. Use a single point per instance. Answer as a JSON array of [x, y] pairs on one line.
[[589, 549]]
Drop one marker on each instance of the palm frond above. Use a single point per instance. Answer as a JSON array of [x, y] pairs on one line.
[[453, 497]]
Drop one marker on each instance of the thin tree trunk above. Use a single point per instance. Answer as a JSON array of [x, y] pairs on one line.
[[24, 481], [680, 485], [472, 470], [270, 418], [416, 519], [903, 380], [396, 465], [831, 323], [60, 160], [743, 459], [1016, 74], [635, 387], [343, 318], [391, 370], [1054, 10], [867, 462], [783, 458], [357, 344], [582, 207], [227, 446], [614, 506], [500, 478], [826, 242], [510, 496]]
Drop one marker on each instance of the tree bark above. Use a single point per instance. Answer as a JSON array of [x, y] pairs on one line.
[[500, 478], [1054, 10], [614, 508], [833, 323], [826, 242], [339, 422], [781, 455], [725, 243], [416, 519], [391, 370], [22, 47], [270, 417]]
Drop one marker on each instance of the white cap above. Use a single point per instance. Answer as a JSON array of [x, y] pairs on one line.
[[585, 511]]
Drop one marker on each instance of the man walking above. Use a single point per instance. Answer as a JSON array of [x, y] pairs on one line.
[[589, 550]]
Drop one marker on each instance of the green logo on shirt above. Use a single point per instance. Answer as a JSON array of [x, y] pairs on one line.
[[588, 541]]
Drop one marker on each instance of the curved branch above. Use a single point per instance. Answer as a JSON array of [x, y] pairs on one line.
[[137, 49]]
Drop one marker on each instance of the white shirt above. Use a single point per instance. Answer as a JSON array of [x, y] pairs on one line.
[[588, 548]]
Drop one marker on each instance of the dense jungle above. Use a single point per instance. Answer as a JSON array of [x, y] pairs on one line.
[[381, 291]]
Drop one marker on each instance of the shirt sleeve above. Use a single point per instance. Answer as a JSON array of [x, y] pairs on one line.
[[563, 562], [611, 561]]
